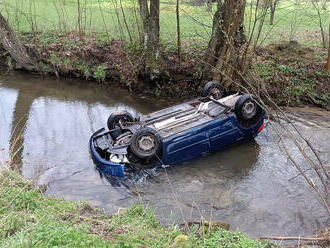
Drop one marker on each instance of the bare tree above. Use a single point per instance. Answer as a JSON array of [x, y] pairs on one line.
[[223, 53], [178, 30], [321, 8], [14, 47], [272, 5], [150, 30], [209, 5], [78, 17], [328, 63]]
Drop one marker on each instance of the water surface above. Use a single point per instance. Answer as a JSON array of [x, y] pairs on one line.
[[252, 185]]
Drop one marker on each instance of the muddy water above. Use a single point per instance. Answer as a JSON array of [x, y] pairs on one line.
[[252, 185]]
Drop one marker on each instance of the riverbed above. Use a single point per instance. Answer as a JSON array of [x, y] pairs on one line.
[[252, 186]]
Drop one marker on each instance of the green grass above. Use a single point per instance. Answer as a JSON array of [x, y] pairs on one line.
[[293, 74], [296, 22], [30, 219], [106, 17], [100, 73]]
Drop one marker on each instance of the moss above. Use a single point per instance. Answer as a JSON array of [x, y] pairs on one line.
[[182, 241]]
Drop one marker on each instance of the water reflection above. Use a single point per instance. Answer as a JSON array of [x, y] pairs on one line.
[[20, 117], [7, 104], [54, 121], [190, 191], [247, 185]]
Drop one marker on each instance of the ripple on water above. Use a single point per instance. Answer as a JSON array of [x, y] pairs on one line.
[[252, 185]]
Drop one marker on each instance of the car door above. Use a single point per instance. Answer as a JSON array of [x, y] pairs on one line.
[[224, 133], [186, 146]]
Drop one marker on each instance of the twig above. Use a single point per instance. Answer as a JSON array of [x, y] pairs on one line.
[[296, 238]]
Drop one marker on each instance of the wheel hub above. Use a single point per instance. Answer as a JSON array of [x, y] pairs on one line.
[[120, 122], [249, 109], [146, 143]]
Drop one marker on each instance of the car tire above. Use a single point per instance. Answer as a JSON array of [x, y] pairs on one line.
[[118, 117], [214, 89], [146, 143], [248, 111]]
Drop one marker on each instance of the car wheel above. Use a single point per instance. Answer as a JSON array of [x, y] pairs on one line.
[[213, 89], [247, 111], [146, 143], [118, 118]]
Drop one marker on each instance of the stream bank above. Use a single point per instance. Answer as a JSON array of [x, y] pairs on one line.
[[30, 219], [290, 73]]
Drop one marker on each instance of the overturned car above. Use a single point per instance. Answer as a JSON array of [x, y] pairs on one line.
[[209, 123]]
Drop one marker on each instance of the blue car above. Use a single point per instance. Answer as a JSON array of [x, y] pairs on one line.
[[186, 131]]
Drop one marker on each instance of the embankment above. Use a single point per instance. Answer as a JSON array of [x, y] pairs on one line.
[[30, 219], [290, 73]]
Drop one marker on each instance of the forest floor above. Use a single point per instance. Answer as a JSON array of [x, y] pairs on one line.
[[31, 219]]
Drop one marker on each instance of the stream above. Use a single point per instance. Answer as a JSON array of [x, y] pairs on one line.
[[252, 186]]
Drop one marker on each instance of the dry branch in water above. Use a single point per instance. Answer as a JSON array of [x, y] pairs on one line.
[[322, 239], [252, 86]]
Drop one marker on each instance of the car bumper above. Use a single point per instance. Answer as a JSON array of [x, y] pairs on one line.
[[105, 166]]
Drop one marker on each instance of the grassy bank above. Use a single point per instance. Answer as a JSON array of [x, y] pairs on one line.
[[30, 219], [102, 44], [291, 73]]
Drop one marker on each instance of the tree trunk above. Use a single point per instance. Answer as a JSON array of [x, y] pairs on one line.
[[223, 53], [154, 24], [271, 4], [209, 5], [150, 31], [272, 12], [319, 14], [13, 46], [178, 30], [322, 35], [328, 63]]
